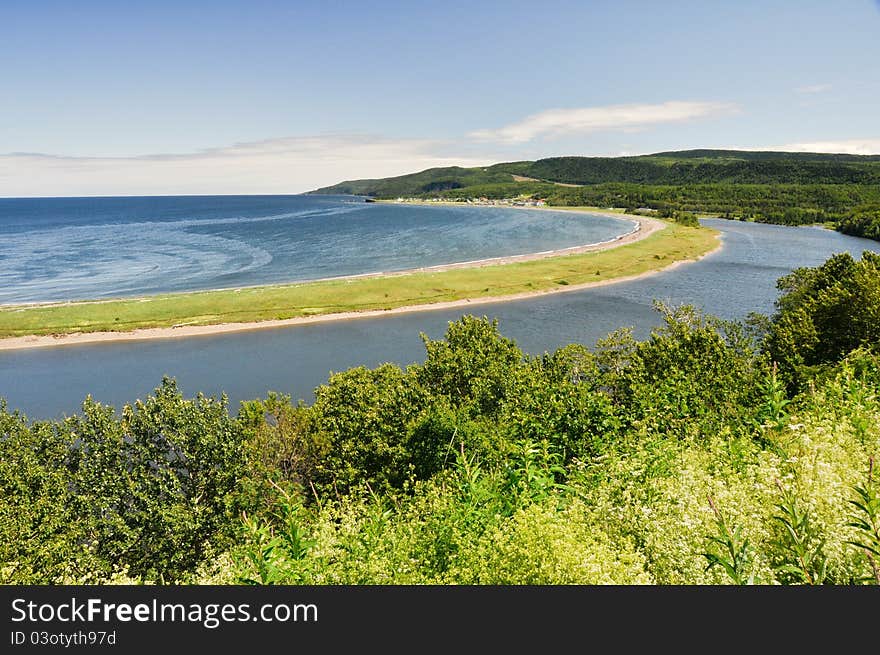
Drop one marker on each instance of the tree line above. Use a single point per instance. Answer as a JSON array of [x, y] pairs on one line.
[[694, 167]]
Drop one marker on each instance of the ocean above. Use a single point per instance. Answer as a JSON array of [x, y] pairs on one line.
[[58, 249]]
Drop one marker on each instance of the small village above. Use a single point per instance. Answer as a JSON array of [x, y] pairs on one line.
[[512, 202]]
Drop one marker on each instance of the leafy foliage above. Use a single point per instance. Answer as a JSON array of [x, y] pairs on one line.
[[695, 373], [866, 520], [364, 417], [474, 366], [800, 541], [863, 222], [149, 493], [826, 313], [733, 553]]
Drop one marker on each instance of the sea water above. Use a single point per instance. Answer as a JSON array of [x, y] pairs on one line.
[[55, 249]]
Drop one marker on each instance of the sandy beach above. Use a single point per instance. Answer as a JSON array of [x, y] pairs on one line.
[[644, 228]]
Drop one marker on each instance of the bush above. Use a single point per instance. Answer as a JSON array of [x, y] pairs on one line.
[[696, 373], [364, 418], [825, 313]]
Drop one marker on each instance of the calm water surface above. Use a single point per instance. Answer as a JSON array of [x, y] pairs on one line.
[[731, 283]]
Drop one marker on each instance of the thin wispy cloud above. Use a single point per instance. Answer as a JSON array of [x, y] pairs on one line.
[[864, 146], [561, 122], [284, 165], [868, 146], [813, 88]]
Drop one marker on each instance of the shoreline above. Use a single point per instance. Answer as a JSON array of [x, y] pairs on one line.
[[644, 227], [650, 226]]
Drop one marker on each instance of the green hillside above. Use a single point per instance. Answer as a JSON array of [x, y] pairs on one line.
[[428, 181], [790, 188], [666, 168]]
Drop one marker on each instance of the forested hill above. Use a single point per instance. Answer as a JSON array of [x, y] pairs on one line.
[[789, 188], [667, 168]]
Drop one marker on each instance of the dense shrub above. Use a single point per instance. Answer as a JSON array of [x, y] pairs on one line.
[[696, 373], [364, 417], [863, 222], [825, 313], [148, 493]]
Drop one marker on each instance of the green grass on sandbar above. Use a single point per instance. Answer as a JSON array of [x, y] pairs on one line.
[[674, 243]]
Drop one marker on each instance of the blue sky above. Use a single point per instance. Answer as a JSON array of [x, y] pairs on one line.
[[273, 97]]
